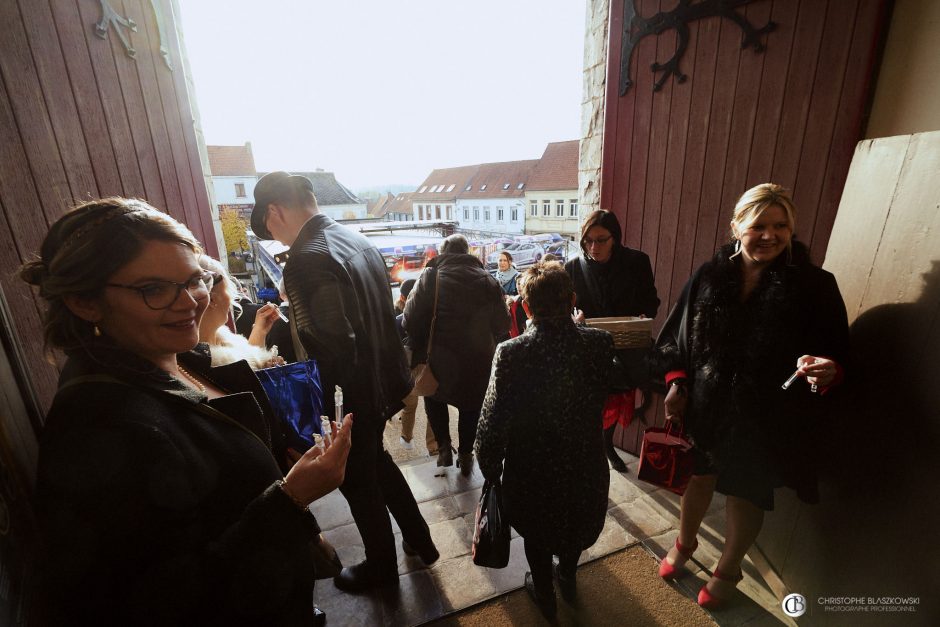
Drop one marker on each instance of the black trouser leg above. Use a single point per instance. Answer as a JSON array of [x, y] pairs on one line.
[[362, 490], [467, 428], [439, 419], [540, 565], [568, 565], [609, 443], [401, 502]]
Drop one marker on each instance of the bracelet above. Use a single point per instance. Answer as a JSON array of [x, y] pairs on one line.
[[280, 483]]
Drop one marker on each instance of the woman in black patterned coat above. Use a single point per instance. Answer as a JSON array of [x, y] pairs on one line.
[[542, 415]]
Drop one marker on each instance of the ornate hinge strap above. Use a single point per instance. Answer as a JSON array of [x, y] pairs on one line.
[[636, 28], [110, 17]]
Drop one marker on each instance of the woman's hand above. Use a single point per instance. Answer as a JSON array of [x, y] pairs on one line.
[[578, 316], [818, 371], [320, 471], [264, 320], [277, 360], [676, 401]]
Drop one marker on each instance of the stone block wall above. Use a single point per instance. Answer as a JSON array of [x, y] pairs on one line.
[[592, 104]]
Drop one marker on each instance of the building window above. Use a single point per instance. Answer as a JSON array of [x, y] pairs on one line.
[[546, 207], [476, 214], [534, 208], [514, 214], [500, 214], [451, 187], [422, 190], [450, 212], [437, 212], [559, 208], [483, 187], [467, 188], [505, 185], [520, 186], [240, 190], [466, 213], [486, 214], [573, 208]]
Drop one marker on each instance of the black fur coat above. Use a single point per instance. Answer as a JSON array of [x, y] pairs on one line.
[[738, 354]]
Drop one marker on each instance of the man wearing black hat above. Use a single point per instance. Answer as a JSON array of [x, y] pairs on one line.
[[342, 316]]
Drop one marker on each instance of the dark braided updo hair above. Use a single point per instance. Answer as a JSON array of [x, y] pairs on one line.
[[84, 248]]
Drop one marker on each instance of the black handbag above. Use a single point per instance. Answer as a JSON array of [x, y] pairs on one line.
[[491, 530]]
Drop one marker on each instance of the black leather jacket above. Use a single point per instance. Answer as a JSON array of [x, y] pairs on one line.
[[342, 315]]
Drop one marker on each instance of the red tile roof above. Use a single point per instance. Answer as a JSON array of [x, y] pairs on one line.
[[379, 207], [450, 182], [558, 167], [232, 160], [499, 180], [400, 204]]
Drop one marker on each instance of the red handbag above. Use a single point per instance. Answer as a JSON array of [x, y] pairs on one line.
[[666, 459]]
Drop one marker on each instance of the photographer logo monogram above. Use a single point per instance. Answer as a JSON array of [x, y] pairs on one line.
[[794, 605]]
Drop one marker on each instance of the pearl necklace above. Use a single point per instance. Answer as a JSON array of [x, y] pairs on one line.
[[192, 379]]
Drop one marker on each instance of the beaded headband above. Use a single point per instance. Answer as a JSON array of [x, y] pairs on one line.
[[110, 214]]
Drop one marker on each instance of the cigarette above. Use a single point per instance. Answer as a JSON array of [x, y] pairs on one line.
[[280, 314], [793, 377]]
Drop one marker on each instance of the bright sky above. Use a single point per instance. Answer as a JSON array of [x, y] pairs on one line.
[[384, 91]]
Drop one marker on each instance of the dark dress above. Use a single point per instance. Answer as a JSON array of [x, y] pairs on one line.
[[755, 435], [155, 512], [545, 424]]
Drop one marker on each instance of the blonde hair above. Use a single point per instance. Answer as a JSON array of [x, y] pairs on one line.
[[225, 346], [755, 201]]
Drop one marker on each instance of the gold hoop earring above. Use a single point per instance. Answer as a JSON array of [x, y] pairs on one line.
[[96, 330]]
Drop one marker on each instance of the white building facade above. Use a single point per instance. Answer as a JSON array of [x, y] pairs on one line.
[[552, 196]]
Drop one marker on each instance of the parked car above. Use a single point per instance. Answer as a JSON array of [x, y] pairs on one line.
[[523, 254], [406, 267], [559, 249]]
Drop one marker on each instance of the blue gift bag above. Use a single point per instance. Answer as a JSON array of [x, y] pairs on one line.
[[297, 399]]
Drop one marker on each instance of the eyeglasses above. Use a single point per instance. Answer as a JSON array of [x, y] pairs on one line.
[[162, 294], [600, 241]]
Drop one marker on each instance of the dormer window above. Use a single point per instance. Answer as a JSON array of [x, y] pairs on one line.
[[505, 185], [421, 191], [520, 186], [467, 188], [483, 187], [451, 188]]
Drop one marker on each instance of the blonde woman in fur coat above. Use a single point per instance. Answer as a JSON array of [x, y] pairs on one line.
[[226, 346]]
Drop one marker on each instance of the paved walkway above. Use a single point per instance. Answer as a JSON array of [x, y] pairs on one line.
[[638, 513]]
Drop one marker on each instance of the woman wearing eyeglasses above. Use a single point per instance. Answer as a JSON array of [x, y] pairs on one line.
[[159, 498], [611, 280]]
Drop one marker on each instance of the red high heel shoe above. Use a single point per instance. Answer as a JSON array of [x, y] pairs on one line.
[[710, 601], [670, 571]]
